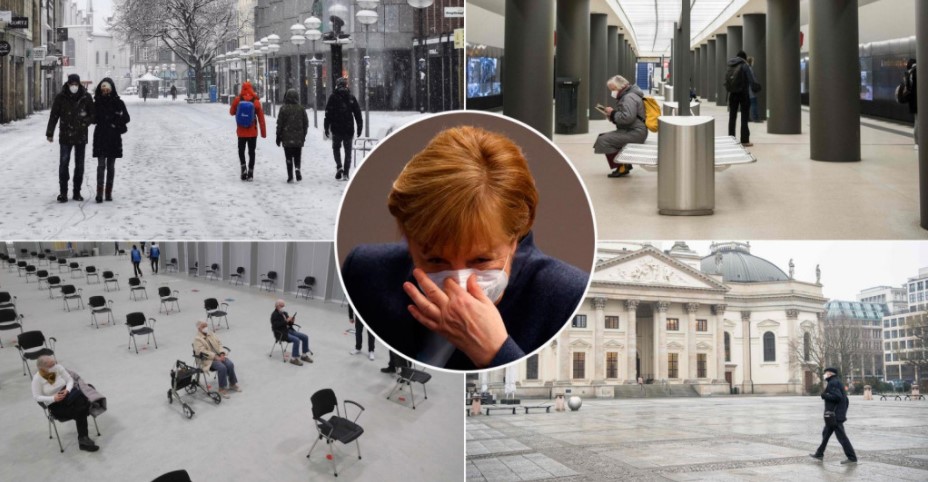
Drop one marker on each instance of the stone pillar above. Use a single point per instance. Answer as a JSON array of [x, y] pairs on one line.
[[697, 72], [573, 54], [660, 335], [719, 311], [755, 45], [792, 320], [834, 81], [529, 79], [712, 74], [721, 66], [735, 40], [599, 60], [631, 341], [563, 358], [921, 39], [620, 66], [783, 99], [704, 72], [612, 67], [673, 57], [599, 356], [747, 384], [690, 372]]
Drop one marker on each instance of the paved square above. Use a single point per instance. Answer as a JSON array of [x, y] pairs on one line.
[[717, 439]]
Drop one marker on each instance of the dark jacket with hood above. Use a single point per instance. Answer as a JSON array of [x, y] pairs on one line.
[[76, 112], [292, 121], [111, 117], [628, 115], [339, 110], [746, 71], [836, 398], [912, 77]]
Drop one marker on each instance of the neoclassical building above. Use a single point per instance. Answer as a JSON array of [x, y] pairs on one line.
[[724, 320]]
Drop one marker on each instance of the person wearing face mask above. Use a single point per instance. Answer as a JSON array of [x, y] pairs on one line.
[[467, 288], [74, 107], [56, 388], [628, 115], [282, 326], [212, 356], [111, 117], [836, 403], [342, 112]]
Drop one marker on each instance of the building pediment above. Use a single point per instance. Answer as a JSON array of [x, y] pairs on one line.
[[614, 344], [729, 324], [768, 324], [807, 325], [580, 344], [649, 266], [674, 346], [703, 346]]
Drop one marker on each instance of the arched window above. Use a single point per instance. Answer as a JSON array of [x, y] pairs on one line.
[[806, 346], [770, 350], [727, 347]]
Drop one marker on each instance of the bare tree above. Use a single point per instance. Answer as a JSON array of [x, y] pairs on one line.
[[837, 343], [917, 355], [193, 29]]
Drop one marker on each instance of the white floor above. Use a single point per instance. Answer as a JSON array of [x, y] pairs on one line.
[[179, 179], [262, 433], [785, 195]]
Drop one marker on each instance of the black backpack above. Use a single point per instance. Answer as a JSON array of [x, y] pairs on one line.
[[905, 88], [734, 79]]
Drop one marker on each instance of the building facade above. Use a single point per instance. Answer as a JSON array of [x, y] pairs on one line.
[[866, 321], [917, 288], [27, 76], [894, 297], [90, 53], [901, 343]]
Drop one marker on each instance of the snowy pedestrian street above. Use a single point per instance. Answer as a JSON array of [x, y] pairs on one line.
[[179, 179]]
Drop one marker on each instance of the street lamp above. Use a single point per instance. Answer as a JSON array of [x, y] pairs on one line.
[[297, 39], [421, 5], [313, 33], [243, 54], [273, 47], [219, 59], [367, 17]]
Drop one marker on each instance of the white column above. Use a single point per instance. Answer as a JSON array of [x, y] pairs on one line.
[[599, 356], [660, 353], [691, 341], [563, 357], [719, 311], [747, 385], [792, 319], [631, 341]]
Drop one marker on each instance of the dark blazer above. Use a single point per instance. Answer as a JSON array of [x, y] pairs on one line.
[[836, 398], [540, 297], [279, 324]]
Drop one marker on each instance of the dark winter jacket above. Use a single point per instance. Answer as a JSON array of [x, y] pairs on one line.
[[135, 255], [154, 252], [628, 115], [746, 72], [339, 110], [836, 398], [76, 112], [279, 324], [913, 84], [292, 121], [111, 116]]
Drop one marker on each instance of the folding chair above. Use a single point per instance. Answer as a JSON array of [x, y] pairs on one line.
[[214, 272], [136, 284], [138, 325], [42, 277], [32, 345], [30, 271], [41, 260], [174, 476], [238, 277], [62, 265], [308, 283], [217, 311], [21, 267], [98, 305], [282, 340], [171, 266], [10, 320], [91, 271], [168, 297], [52, 421], [7, 300], [336, 427], [407, 376], [194, 270], [53, 283], [76, 268], [69, 292], [110, 277], [10, 264], [269, 280]]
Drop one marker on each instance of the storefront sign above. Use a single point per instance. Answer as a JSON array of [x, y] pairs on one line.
[[454, 12], [19, 22], [39, 53], [4, 48], [61, 34], [6, 16]]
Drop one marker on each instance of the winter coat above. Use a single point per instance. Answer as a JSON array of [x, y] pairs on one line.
[[746, 72], [628, 115], [913, 99], [249, 94], [97, 401], [279, 324], [111, 115], [292, 121], [339, 110], [154, 252], [76, 112], [207, 348], [836, 398], [136, 256]]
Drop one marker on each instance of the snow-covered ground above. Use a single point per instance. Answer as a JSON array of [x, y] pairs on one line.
[[178, 179]]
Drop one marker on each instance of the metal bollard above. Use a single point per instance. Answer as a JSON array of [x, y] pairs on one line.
[[686, 165], [670, 108]]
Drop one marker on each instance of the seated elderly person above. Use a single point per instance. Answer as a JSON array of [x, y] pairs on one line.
[[628, 115], [282, 325], [212, 355], [54, 386], [467, 288]]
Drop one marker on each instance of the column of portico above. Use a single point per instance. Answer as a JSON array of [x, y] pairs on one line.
[[631, 341], [660, 339], [691, 341], [747, 385], [719, 311], [599, 333], [563, 358], [792, 320]]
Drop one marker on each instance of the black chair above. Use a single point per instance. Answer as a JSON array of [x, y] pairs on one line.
[[110, 277], [336, 427], [62, 265], [269, 280], [214, 272], [41, 260], [11, 264], [52, 421], [42, 276], [407, 376], [52, 259], [32, 345], [194, 270], [76, 268], [21, 267], [174, 476], [53, 283], [10, 320], [69, 292], [7, 300], [91, 271], [308, 283], [138, 325], [168, 297], [136, 284], [216, 311], [30, 271], [98, 305], [238, 277], [282, 340], [171, 266]]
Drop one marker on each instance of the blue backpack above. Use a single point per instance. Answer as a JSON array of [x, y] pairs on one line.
[[245, 114]]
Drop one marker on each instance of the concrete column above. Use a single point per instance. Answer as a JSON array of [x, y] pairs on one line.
[[697, 71], [704, 72], [612, 66], [563, 358], [682, 65], [632, 64], [719, 311], [747, 384], [599, 333], [631, 341], [690, 341], [620, 60], [712, 73], [834, 81], [673, 57], [921, 38], [792, 320], [735, 40], [529, 79], [721, 66], [599, 60], [783, 99], [755, 45], [660, 318], [573, 54]]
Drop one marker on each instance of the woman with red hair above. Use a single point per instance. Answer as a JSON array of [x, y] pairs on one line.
[[246, 107]]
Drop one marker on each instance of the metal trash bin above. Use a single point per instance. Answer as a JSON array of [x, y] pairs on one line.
[[670, 107], [686, 165], [567, 91], [668, 92]]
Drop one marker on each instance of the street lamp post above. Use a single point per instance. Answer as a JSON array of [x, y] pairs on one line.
[[219, 59], [422, 75], [244, 56], [297, 39], [273, 47], [313, 33], [368, 17]]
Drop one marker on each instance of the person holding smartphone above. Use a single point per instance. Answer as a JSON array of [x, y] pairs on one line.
[[282, 324], [54, 386]]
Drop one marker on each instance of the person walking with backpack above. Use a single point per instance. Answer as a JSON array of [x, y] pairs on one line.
[[136, 257], [341, 109], [628, 115], [836, 404], [111, 117], [246, 107], [292, 124], [738, 81], [154, 254], [75, 108]]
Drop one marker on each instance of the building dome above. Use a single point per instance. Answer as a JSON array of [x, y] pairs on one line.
[[738, 265]]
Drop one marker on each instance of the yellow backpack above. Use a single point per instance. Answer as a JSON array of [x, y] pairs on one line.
[[652, 111]]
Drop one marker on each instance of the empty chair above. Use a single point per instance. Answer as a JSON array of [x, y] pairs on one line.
[[307, 287], [52, 259], [336, 427], [407, 376], [69, 292], [21, 267], [216, 312], [195, 269], [110, 278], [269, 280], [91, 272], [4, 256], [174, 476], [11, 264], [171, 266], [75, 268], [136, 285], [54, 283], [41, 260], [62, 265], [138, 325], [10, 320], [168, 297], [33, 253], [30, 272], [7, 300], [32, 345], [238, 276], [23, 252], [42, 276], [214, 272], [100, 305]]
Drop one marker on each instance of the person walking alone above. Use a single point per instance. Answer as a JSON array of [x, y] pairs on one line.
[[292, 124], [738, 81], [74, 107], [154, 254], [836, 404], [136, 257], [341, 109], [111, 117], [246, 107]]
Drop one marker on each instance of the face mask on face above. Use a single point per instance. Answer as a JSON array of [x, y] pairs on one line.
[[73, 89], [614, 94], [492, 281]]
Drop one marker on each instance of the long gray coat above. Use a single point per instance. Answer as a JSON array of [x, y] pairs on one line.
[[628, 118], [97, 401]]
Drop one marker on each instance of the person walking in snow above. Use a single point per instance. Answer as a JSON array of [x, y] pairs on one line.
[[173, 92], [145, 92], [342, 111], [111, 117], [74, 107], [292, 124], [246, 107]]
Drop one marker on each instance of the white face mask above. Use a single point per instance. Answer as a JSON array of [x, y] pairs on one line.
[[73, 89], [492, 281], [614, 94]]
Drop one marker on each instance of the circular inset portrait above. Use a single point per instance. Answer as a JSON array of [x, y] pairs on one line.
[[466, 241]]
